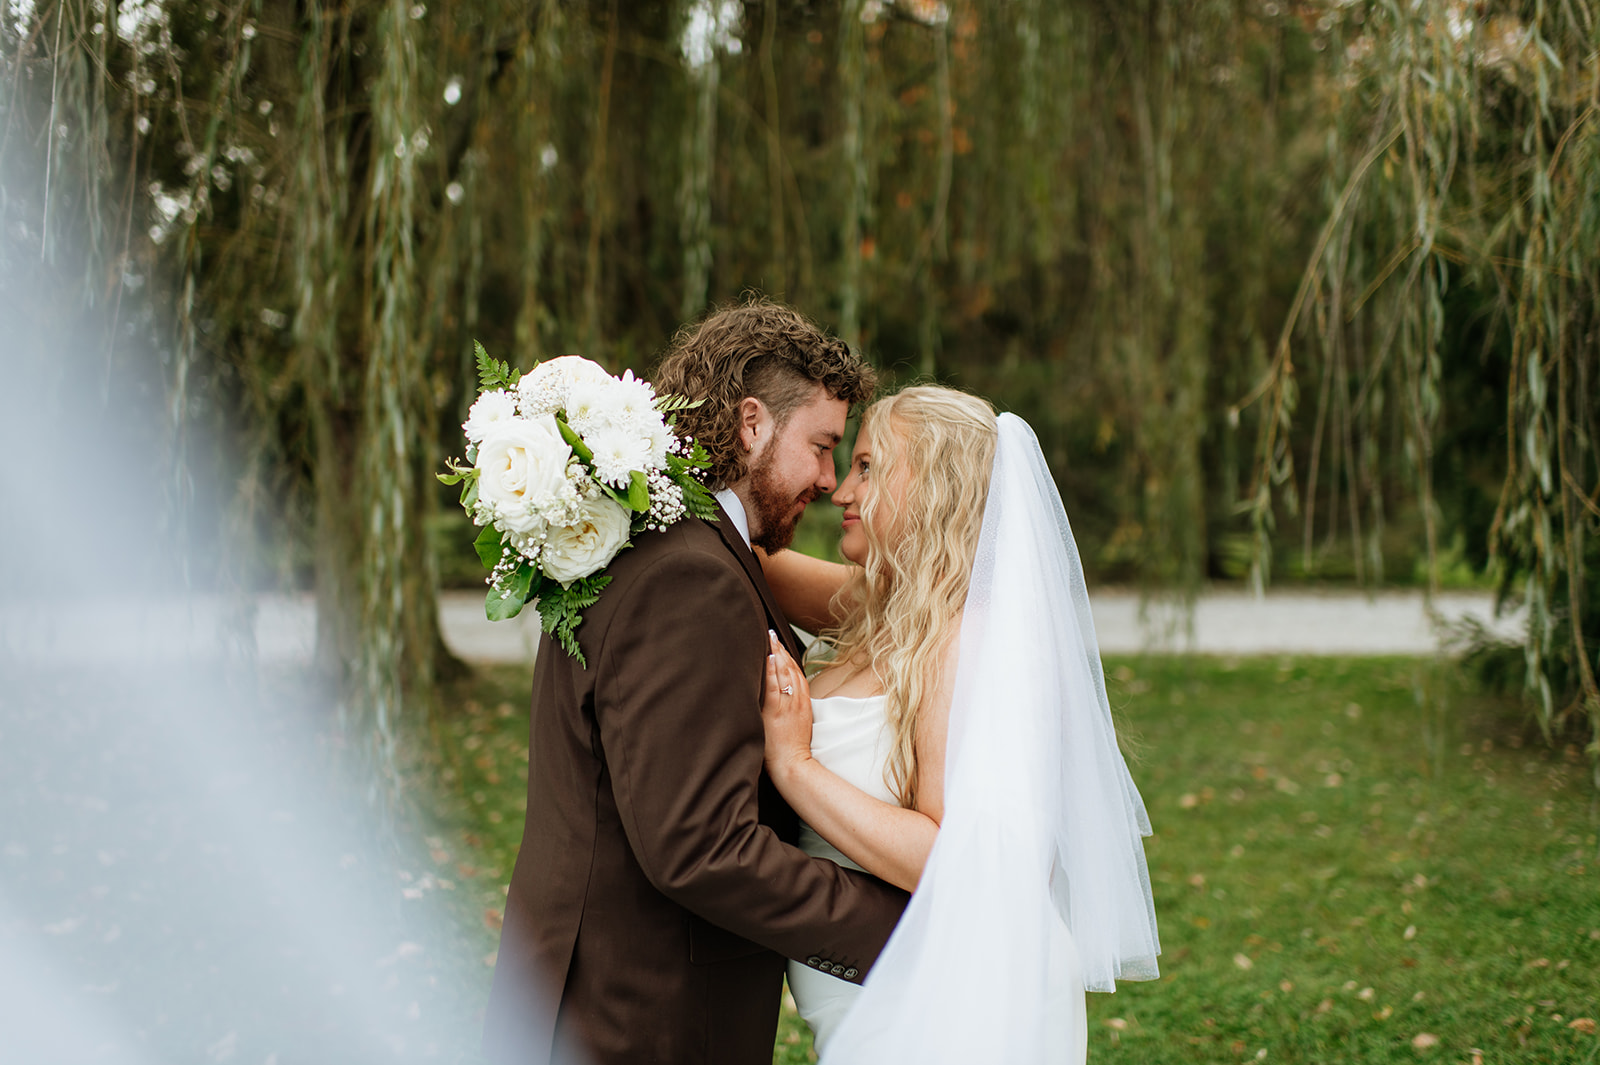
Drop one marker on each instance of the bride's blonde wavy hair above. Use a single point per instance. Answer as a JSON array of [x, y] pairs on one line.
[[898, 610]]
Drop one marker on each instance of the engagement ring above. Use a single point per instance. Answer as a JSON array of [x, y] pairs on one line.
[[787, 689]]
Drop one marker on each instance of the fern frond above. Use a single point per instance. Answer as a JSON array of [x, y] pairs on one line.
[[493, 373]]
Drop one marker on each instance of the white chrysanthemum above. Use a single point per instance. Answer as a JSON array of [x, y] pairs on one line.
[[661, 441], [593, 406], [617, 453], [488, 410], [634, 401]]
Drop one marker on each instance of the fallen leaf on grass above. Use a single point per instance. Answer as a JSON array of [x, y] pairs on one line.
[[1325, 1005], [1243, 961], [1585, 1025], [1424, 1040], [1117, 1023]]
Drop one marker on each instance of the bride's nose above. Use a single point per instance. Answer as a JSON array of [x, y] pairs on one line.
[[846, 493]]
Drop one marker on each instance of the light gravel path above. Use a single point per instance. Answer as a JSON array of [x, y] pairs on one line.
[[1224, 623], [283, 628]]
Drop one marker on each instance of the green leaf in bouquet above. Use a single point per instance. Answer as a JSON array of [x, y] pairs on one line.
[[586, 593], [492, 373], [638, 492], [552, 599], [505, 599], [672, 404], [697, 499], [469, 494], [489, 545], [561, 610], [457, 473], [579, 448]]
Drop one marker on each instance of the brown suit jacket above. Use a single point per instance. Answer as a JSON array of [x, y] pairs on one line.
[[657, 891]]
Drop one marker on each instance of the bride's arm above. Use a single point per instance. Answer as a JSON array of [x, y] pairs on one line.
[[890, 842], [804, 586]]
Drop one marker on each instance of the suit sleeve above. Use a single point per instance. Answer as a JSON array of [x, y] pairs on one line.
[[677, 700]]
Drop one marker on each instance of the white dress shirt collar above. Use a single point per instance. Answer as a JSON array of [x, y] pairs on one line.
[[735, 508]]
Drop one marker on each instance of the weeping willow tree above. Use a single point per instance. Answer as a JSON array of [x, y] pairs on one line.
[[1139, 224], [1462, 240]]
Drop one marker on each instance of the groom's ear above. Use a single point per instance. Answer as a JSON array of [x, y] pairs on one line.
[[755, 423]]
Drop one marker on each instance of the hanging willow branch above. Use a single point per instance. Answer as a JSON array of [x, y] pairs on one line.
[[1094, 212], [1443, 177]]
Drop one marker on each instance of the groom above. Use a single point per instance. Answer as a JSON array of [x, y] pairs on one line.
[[658, 891]]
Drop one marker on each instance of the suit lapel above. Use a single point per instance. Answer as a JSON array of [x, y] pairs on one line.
[[752, 568]]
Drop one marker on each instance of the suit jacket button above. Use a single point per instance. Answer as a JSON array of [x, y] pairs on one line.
[[813, 961], [838, 970], [850, 974]]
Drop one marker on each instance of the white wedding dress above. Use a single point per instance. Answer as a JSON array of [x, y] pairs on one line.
[[850, 737]]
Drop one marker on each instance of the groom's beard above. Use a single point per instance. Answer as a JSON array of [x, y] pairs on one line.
[[775, 517]]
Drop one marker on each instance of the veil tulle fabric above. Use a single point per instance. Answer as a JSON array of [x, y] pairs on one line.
[[1042, 833]]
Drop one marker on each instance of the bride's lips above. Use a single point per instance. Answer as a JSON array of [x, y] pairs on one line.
[[849, 520]]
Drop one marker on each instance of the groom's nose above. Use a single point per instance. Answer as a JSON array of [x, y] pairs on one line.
[[827, 480]]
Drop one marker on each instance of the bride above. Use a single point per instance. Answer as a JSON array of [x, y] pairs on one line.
[[957, 742]]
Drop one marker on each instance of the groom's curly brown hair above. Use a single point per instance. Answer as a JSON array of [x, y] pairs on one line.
[[756, 348]]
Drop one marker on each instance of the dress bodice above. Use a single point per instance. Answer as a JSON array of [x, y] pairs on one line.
[[849, 736]]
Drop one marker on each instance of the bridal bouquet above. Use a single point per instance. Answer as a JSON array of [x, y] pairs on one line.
[[564, 465]]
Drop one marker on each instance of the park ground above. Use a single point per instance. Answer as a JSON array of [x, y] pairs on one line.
[[1354, 860]]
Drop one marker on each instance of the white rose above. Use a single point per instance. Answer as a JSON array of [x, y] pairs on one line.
[[544, 388], [521, 464], [490, 409], [588, 546]]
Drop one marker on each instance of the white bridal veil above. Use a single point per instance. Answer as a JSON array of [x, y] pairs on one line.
[[1038, 873]]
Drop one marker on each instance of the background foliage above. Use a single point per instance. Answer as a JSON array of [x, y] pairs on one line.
[[1302, 288]]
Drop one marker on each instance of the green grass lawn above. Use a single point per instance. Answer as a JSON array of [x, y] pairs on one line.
[[1354, 861]]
